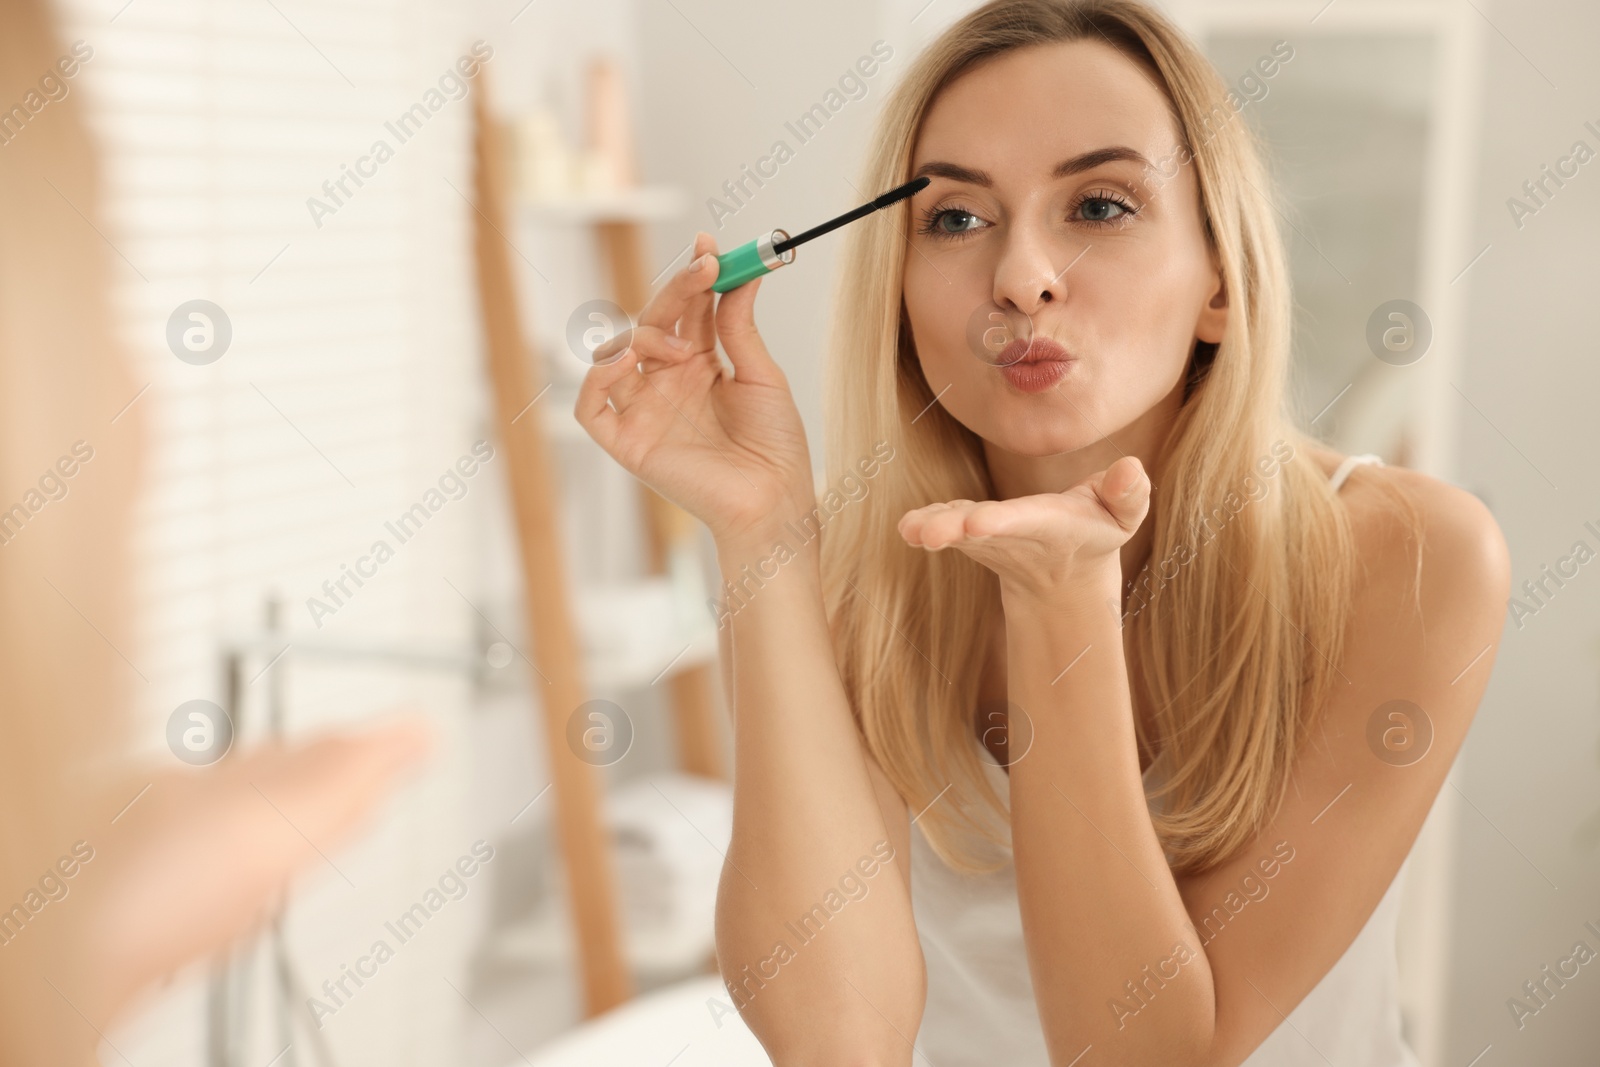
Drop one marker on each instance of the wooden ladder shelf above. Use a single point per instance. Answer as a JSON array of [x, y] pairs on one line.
[[515, 375]]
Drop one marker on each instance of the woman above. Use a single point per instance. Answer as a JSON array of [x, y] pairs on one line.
[[114, 873], [1150, 747]]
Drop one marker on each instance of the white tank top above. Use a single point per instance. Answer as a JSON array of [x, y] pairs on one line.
[[980, 1008]]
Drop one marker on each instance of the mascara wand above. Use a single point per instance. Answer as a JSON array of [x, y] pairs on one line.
[[770, 251]]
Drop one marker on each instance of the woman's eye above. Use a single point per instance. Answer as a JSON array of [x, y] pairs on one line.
[[1103, 209], [951, 223], [934, 223]]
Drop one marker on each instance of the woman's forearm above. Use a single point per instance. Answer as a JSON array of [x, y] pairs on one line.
[[1099, 904], [815, 936]]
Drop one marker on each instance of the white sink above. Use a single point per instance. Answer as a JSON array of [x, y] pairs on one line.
[[691, 1024]]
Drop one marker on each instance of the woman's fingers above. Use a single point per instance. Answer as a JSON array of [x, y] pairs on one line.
[[1123, 489], [698, 325], [736, 325], [208, 854], [671, 302], [616, 377], [657, 348], [618, 381], [688, 298], [966, 520], [937, 525]]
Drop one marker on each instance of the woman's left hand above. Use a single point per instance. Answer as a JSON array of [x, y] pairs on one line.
[[1049, 546]]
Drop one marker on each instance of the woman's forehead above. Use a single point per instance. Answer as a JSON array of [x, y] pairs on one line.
[[1036, 107]]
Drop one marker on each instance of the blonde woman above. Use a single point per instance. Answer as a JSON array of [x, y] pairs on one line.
[[1099, 726]]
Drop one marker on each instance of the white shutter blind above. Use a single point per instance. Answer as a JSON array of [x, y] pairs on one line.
[[351, 383]]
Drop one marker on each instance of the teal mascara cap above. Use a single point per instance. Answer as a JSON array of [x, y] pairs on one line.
[[750, 261]]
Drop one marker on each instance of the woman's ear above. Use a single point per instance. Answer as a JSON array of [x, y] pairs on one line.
[[1214, 316]]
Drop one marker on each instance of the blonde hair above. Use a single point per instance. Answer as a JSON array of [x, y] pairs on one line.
[[1233, 657]]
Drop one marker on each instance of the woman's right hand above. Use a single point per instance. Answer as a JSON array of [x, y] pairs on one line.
[[730, 450]]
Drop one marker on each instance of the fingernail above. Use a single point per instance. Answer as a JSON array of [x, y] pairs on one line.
[[703, 262], [680, 343]]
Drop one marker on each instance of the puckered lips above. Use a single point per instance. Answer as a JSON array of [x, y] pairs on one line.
[[1034, 365]]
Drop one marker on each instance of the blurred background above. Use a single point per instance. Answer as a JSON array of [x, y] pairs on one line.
[[305, 263]]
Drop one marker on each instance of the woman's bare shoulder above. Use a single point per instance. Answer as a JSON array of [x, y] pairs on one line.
[[1428, 598], [1455, 518], [1455, 541]]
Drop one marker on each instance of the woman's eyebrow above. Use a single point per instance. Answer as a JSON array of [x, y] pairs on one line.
[[1064, 169]]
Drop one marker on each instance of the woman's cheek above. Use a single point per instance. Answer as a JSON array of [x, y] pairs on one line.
[[939, 331], [1153, 320]]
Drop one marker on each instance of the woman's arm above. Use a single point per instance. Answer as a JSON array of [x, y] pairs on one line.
[[1117, 961], [815, 937], [815, 942], [1099, 905], [893, 809]]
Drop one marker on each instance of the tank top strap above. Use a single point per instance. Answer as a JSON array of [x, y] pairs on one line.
[[1350, 463]]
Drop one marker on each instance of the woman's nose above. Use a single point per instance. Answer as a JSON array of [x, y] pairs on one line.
[[1032, 270]]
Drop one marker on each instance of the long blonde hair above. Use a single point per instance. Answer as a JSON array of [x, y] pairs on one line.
[[1234, 653]]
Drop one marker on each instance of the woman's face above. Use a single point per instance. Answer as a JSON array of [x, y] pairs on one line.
[[1110, 261]]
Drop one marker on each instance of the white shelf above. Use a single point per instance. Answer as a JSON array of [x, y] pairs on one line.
[[644, 663], [645, 203], [668, 835], [545, 940], [677, 1017]]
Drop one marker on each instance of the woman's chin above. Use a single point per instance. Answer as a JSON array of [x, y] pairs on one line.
[[1051, 438]]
